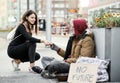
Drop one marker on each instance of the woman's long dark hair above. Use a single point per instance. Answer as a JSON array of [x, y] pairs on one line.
[[26, 14]]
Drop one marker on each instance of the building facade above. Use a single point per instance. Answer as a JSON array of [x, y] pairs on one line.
[[61, 10], [3, 13], [12, 10]]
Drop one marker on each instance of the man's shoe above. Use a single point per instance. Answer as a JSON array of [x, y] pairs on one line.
[[36, 69]]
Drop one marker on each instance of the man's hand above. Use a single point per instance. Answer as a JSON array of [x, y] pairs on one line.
[[71, 60]]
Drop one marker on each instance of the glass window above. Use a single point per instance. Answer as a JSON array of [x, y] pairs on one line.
[[118, 5], [107, 9], [113, 6], [91, 13], [59, 5]]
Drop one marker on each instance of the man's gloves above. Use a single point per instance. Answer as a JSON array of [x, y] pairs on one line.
[[54, 47]]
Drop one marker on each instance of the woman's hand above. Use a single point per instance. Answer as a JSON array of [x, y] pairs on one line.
[[45, 42]]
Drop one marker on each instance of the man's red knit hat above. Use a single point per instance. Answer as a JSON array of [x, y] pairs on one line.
[[79, 26]]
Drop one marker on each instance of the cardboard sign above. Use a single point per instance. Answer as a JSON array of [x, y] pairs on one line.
[[82, 73]]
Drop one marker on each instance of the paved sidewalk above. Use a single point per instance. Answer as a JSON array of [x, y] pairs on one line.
[[7, 75]]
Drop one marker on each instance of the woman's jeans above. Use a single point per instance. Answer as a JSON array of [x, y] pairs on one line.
[[25, 52]]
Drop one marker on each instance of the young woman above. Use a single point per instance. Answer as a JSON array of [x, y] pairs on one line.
[[23, 46]]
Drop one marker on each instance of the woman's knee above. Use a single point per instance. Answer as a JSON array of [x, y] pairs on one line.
[[37, 56], [29, 44]]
